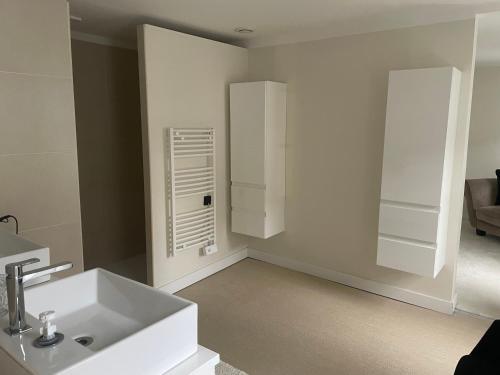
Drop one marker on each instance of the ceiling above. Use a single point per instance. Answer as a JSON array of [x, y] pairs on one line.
[[488, 40], [274, 21]]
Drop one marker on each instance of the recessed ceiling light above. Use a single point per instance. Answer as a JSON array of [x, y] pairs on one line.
[[243, 30]]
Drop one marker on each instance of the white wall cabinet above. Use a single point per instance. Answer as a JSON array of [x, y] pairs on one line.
[[258, 126], [420, 132]]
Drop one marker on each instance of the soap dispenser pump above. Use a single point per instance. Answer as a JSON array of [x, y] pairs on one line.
[[49, 336], [48, 329]]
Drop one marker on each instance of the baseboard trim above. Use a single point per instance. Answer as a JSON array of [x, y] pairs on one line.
[[185, 281], [400, 294], [389, 291], [454, 301]]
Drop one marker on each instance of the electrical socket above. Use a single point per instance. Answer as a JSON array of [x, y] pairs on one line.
[[209, 250]]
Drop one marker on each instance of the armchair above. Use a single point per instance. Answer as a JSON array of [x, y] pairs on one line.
[[480, 195]]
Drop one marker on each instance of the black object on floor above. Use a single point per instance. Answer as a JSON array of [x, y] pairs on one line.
[[480, 232], [485, 357]]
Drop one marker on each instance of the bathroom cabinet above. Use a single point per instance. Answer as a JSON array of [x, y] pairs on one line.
[[257, 133], [419, 145]]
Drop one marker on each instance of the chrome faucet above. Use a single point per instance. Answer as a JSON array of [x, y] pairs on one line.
[[16, 277]]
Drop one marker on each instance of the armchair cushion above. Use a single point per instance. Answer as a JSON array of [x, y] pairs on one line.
[[490, 215], [481, 192]]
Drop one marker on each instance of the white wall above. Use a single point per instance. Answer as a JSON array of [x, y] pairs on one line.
[[184, 83], [484, 136], [38, 159], [337, 90]]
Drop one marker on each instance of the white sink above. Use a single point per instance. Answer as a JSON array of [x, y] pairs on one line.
[[135, 329]]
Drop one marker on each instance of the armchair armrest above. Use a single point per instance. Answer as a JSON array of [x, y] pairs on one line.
[[481, 192]]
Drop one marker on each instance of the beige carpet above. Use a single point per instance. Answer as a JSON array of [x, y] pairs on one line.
[[267, 320]]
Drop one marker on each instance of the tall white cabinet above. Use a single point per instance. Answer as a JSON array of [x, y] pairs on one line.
[[258, 126], [419, 144]]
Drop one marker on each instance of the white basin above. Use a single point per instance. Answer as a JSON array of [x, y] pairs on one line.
[[135, 329]]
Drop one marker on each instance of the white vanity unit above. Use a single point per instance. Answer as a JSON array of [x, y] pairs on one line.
[[14, 248], [258, 127], [419, 144]]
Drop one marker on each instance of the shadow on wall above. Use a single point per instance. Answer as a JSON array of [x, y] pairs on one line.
[[108, 125]]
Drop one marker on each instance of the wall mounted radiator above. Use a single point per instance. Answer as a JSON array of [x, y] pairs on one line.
[[191, 190]]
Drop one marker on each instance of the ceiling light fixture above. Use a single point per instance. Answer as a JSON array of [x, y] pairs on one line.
[[243, 30]]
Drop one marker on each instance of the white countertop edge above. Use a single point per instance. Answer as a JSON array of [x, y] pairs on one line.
[[199, 363]]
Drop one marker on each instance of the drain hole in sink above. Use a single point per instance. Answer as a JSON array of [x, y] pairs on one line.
[[84, 340]]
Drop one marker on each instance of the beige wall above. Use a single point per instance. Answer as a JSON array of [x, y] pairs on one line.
[[337, 91], [484, 137], [108, 124], [184, 83], [38, 159]]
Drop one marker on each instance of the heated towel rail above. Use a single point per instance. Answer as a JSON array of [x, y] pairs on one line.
[[191, 189]]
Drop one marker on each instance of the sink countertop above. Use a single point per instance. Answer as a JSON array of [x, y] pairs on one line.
[[62, 356], [163, 336], [40, 361], [12, 244], [201, 363], [25, 354]]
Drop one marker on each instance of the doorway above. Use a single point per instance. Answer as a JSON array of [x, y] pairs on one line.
[[478, 269]]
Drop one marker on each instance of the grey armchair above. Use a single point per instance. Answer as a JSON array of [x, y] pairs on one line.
[[480, 195]]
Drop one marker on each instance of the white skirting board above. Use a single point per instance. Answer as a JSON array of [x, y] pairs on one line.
[[204, 272], [389, 291], [400, 294]]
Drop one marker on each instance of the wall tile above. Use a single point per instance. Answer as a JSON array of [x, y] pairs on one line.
[[38, 158], [36, 114], [64, 242], [35, 37], [40, 189]]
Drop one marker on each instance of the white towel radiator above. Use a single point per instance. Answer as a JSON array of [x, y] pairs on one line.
[[191, 190]]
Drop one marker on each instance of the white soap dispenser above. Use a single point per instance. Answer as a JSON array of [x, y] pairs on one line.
[[48, 329], [49, 336]]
